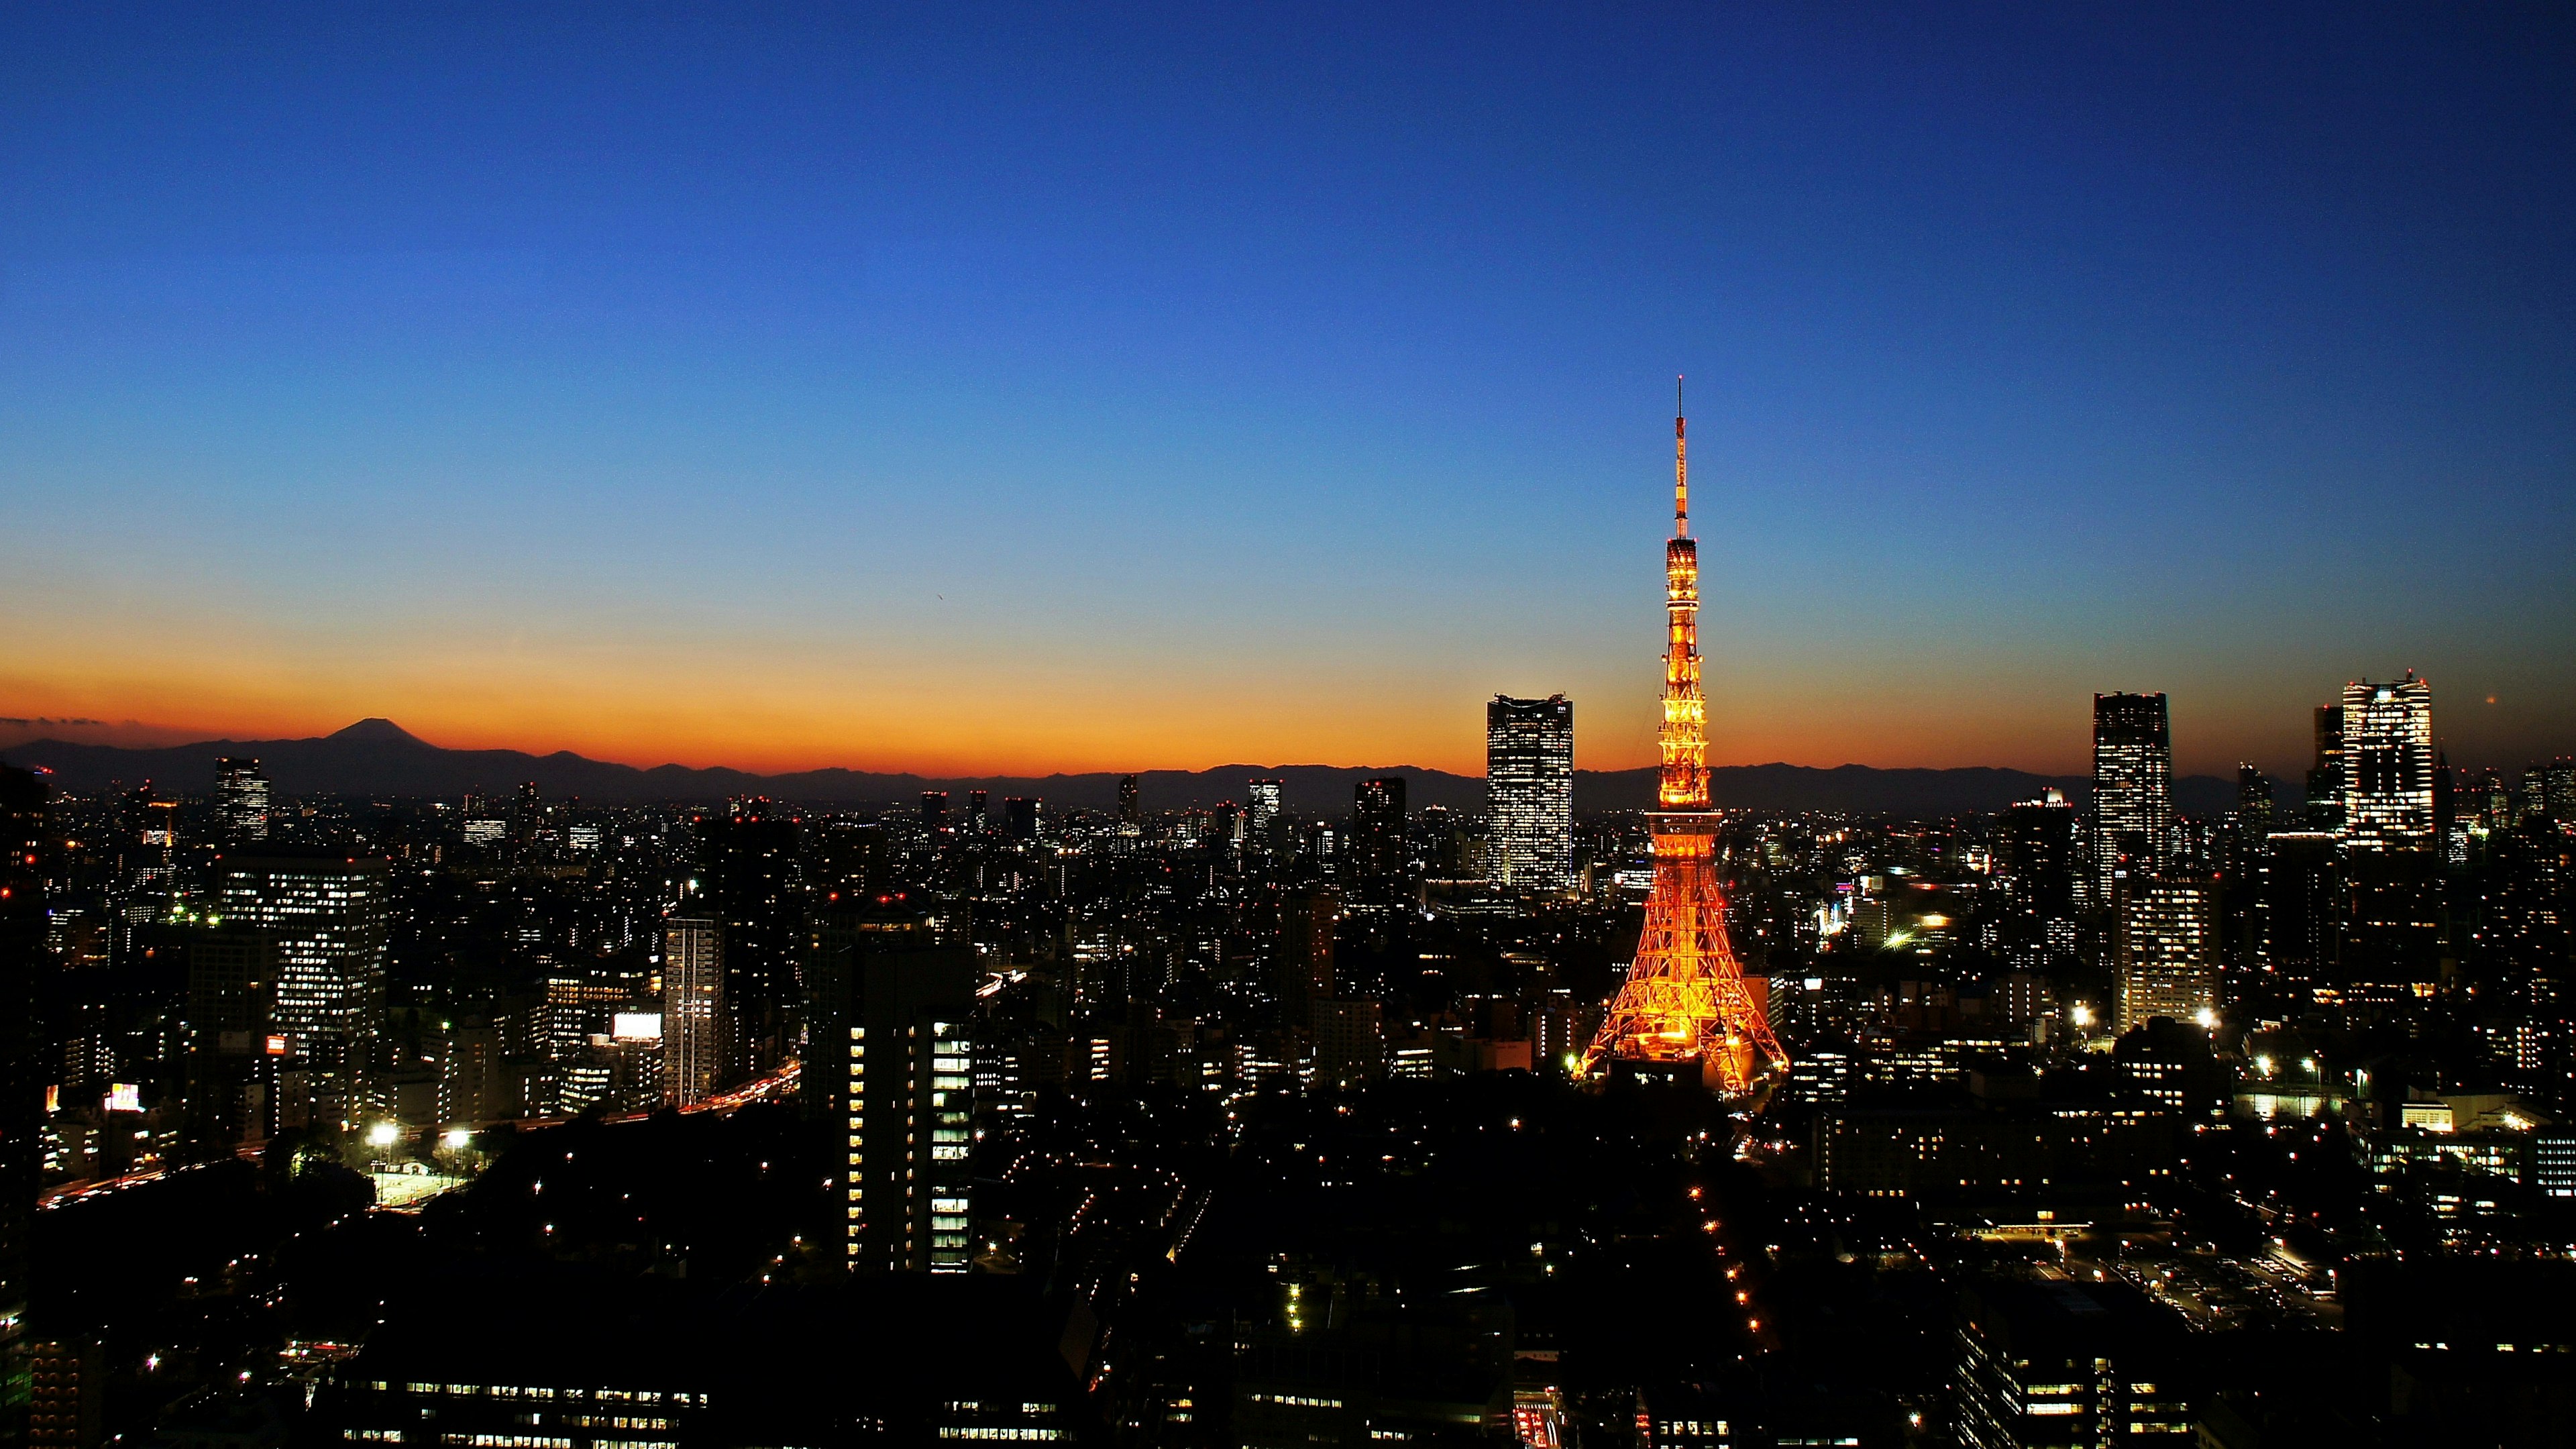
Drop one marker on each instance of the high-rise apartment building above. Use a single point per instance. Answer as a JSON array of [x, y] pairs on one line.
[[979, 813], [2388, 765], [694, 1039], [241, 801], [1529, 792], [2132, 789], [1378, 854], [327, 915], [907, 1030], [2165, 949]]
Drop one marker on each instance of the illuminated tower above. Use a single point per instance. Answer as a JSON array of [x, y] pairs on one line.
[[1685, 1002]]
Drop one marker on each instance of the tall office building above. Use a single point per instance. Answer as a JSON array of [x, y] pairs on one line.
[[2388, 765], [1529, 792], [2132, 789], [1131, 806], [909, 1064], [2325, 773], [694, 1038], [327, 915], [1378, 854], [755, 891], [979, 813], [2165, 950], [1260, 807], [241, 801], [934, 811]]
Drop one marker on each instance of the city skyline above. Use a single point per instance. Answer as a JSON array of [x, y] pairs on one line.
[[1291, 395]]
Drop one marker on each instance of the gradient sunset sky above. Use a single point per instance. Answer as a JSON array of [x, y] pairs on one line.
[[967, 388]]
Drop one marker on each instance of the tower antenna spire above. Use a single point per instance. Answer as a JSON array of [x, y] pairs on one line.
[[1681, 467]]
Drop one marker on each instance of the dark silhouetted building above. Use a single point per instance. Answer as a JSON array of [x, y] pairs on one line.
[[1022, 816], [2039, 854], [233, 1048], [1377, 849], [754, 891]]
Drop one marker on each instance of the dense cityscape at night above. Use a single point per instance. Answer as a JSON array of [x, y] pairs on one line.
[[1713, 1050]]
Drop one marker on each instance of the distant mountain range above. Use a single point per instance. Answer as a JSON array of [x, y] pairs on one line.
[[376, 757]]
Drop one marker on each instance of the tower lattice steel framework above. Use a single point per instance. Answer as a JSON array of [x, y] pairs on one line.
[[1685, 999]]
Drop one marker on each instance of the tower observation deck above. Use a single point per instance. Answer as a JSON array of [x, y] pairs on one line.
[[1685, 1004]]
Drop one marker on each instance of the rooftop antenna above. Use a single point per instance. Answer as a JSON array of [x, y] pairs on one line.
[[1681, 467]]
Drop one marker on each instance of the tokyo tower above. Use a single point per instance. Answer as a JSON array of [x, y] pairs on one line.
[[1685, 1002]]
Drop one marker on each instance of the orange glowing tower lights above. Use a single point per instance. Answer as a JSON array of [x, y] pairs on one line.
[[1685, 1001]]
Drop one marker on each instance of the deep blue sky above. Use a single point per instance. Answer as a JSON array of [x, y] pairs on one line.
[[1087, 387]]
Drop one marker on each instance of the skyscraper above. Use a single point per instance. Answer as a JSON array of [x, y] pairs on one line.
[[909, 1055], [1529, 792], [979, 813], [2388, 765], [1131, 807], [2039, 855], [1261, 806], [694, 1038], [1686, 1009], [2132, 789], [241, 801], [755, 891], [327, 915], [1378, 854], [934, 811], [2165, 949]]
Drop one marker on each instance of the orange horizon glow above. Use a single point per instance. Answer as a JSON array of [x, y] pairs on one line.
[[1005, 732]]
